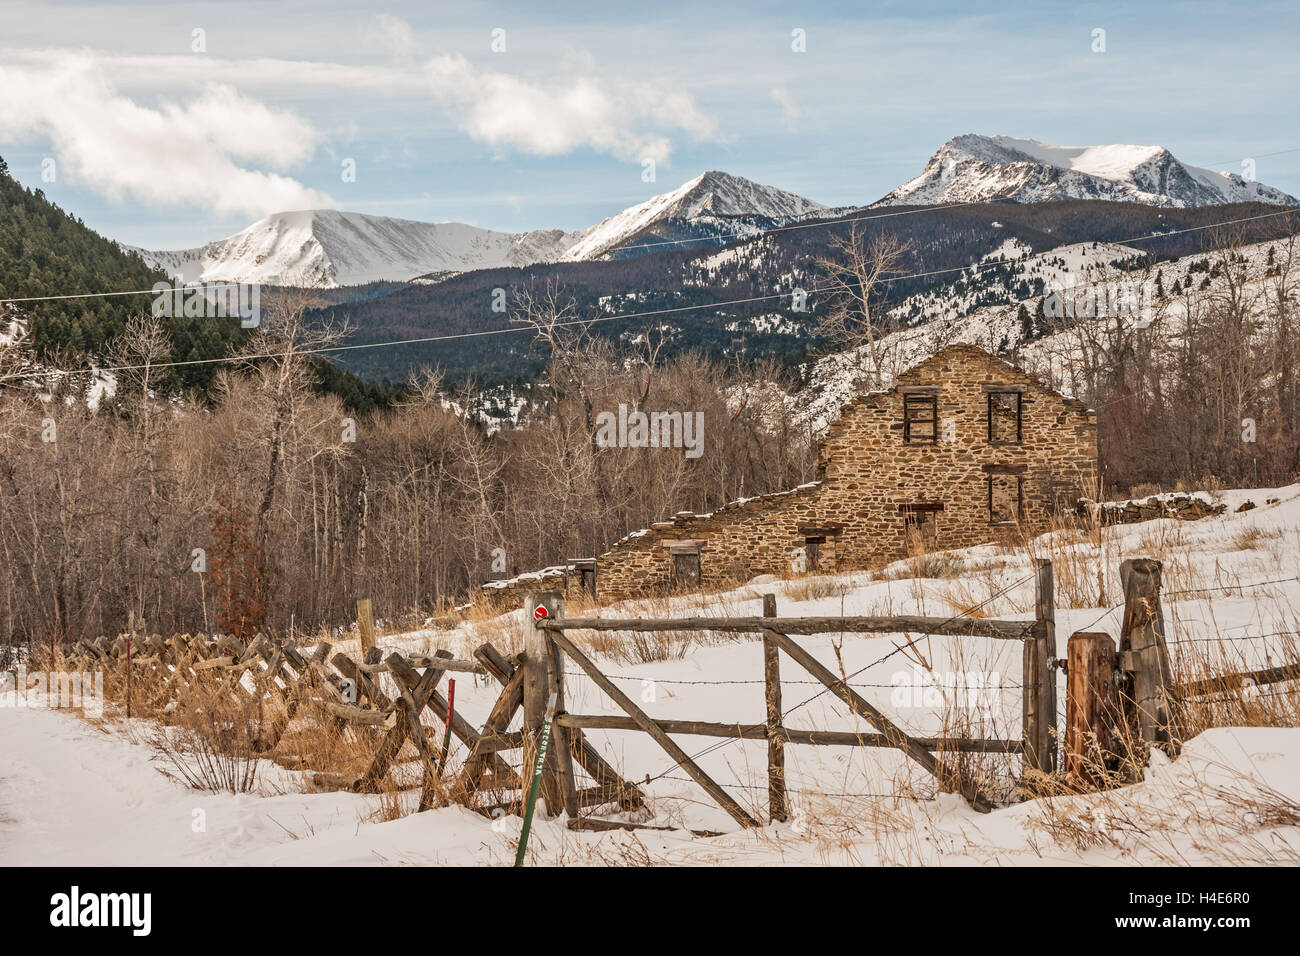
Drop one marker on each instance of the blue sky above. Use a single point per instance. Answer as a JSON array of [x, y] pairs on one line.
[[163, 146]]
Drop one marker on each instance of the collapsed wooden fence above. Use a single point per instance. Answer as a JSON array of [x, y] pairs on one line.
[[408, 714], [290, 684]]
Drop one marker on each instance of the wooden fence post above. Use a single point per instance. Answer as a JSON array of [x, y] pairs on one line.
[[365, 625], [543, 674], [1091, 708], [1144, 654], [775, 731], [1039, 677]]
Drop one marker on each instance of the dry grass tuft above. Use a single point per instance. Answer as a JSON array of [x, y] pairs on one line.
[[214, 746]]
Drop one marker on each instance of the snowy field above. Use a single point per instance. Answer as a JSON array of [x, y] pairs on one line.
[[81, 792]]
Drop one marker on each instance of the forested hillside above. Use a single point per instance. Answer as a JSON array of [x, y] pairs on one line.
[[44, 251], [701, 288]]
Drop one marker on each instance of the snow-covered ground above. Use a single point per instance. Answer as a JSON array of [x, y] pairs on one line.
[[74, 792]]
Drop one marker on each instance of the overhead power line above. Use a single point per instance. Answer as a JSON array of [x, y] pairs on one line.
[[821, 223], [422, 340]]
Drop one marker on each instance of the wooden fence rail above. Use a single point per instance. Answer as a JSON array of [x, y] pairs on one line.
[[391, 701], [544, 613]]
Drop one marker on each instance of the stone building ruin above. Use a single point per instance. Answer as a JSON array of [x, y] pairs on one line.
[[962, 449]]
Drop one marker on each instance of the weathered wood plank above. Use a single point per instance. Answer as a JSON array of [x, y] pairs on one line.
[[365, 624], [365, 686], [789, 735], [391, 745], [494, 662], [776, 801], [356, 715], [448, 664], [408, 680], [1003, 630], [543, 676], [1229, 683], [643, 720], [592, 823], [1038, 694], [1150, 705], [503, 711], [1091, 708], [629, 796], [900, 740]]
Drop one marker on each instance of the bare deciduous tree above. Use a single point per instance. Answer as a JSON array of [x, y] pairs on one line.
[[854, 271]]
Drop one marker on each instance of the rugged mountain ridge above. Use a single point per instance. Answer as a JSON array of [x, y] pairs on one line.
[[974, 168], [328, 248], [712, 198], [331, 248], [325, 247]]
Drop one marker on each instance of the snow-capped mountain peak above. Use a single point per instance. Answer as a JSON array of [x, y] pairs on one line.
[[327, 247], [713, 194], [975, 168]]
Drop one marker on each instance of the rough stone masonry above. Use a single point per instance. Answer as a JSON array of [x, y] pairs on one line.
[[963, 449]]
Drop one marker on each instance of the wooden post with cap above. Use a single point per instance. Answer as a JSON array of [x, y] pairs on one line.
[[543, 675]]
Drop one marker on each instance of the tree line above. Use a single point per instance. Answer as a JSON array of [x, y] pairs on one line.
[[273, 505]]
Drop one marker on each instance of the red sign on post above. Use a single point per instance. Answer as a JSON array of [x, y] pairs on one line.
[[541, 612]]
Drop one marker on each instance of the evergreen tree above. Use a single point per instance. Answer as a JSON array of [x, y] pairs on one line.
[[1026, 324]]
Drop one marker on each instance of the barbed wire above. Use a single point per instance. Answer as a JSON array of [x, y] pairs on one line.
[[1226, 587], [785, 680], [1219, 637], [1238, 698], [898, 650], [1232, 587], [1110, 610]]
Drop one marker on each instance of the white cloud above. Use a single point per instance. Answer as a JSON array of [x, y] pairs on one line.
[[176, 130], [397, 36], [572, 113], [173, 154], [789, 108]]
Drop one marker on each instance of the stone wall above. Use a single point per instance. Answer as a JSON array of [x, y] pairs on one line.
[[1181, 507], [736, 542], [511, 590], [875, 492]]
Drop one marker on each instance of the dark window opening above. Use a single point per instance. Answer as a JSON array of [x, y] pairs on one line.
[[920, 419], [1005, 505], [1004, 418], [584, 572], [585, 568]]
